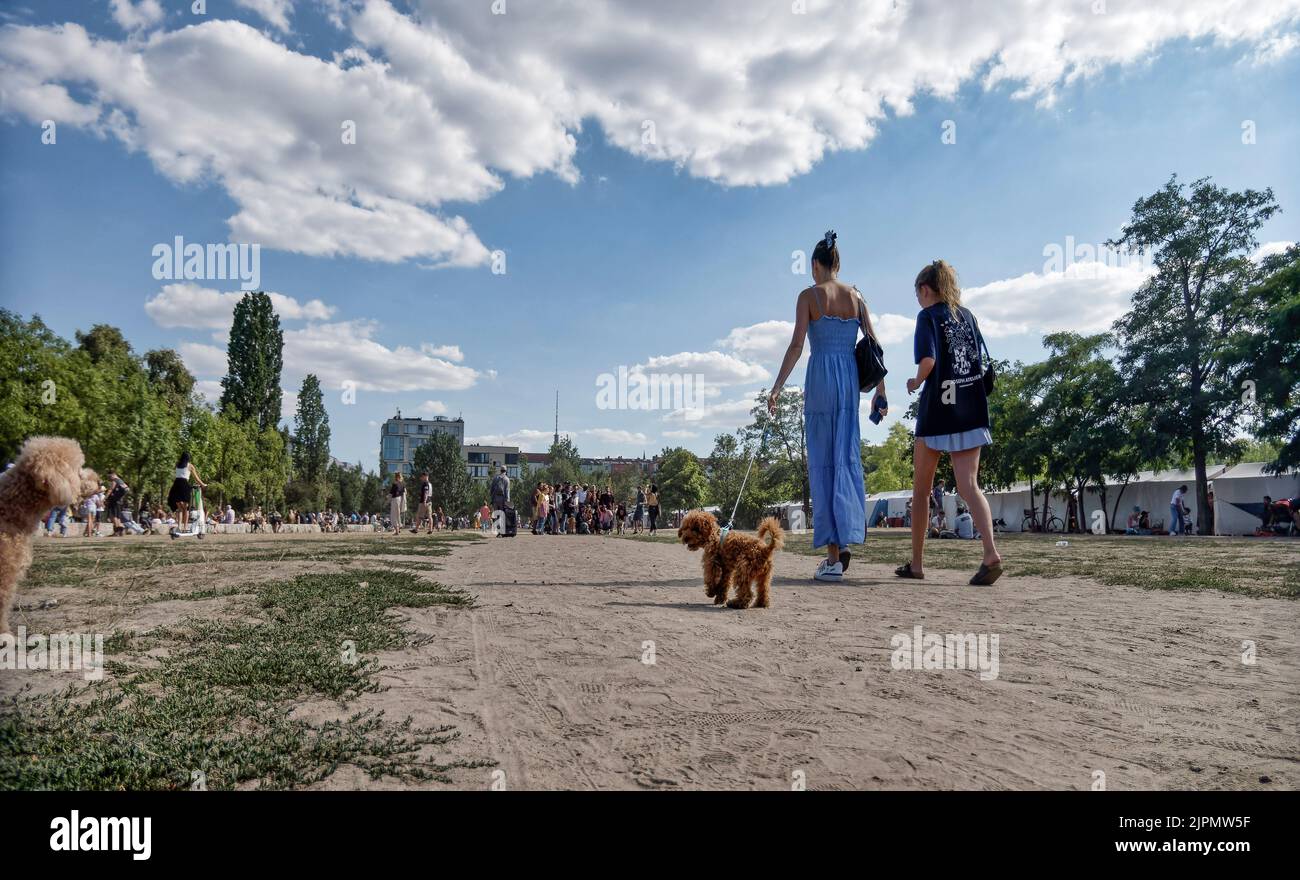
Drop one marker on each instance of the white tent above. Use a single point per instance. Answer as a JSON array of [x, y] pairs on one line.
[[1239, 496], [892, 503]]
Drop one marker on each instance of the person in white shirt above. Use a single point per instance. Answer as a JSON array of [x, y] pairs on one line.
[[965, 524], [1177, 518]]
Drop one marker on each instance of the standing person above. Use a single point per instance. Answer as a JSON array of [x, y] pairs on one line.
[[116, 498], [91, 508], [652, 505], [181, 494], [953, 411], [57, 515], [1176, 517], [500, 490], [639, 512], [485, 517], [424, 511], [396, 502], [829, 314]]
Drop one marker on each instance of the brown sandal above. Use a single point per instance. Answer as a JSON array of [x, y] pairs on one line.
[[986, 575], [905, 571]]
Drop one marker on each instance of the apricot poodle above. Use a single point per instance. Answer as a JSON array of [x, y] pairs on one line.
[[736, 559], [48, 473]]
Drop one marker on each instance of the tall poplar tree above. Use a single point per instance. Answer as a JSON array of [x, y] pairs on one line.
[[254, 358]]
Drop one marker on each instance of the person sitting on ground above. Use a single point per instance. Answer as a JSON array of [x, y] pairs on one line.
[[1132, 526], [965, 524]]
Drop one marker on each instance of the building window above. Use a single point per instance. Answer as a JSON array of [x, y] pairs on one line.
[[477, 457], [512, 458]]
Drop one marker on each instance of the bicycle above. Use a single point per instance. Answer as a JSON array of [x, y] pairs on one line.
[[1030, 522]]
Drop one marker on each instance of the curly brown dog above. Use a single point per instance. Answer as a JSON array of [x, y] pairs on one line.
[[48, 474], [737, 559]]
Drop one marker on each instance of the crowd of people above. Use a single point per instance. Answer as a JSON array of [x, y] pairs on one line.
[[585, 509]]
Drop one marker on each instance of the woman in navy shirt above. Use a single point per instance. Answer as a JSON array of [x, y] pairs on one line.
[[953, 412]]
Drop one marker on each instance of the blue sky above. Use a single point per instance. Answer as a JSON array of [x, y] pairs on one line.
[[617, 254]]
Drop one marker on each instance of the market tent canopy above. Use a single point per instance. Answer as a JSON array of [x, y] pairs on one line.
[[1239, 496]]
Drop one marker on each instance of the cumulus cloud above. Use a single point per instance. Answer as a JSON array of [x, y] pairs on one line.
[[186, 304], [133, 16], [717, 368], [446, 99], [432, 408], [1086, 297], [447, 352], [1271, 248], [275, 12]]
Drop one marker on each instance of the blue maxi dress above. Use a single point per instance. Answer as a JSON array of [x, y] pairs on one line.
[[830, 413]]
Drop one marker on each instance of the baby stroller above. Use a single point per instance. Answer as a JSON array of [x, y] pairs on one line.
[[198, 522]]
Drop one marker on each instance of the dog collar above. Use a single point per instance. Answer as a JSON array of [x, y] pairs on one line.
[[722, 534]]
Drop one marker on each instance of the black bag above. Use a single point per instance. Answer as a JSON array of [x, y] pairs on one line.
[[989, 375], [870, 357], [511, 522]]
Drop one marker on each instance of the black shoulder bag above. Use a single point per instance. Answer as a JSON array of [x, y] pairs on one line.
[[869, 355]]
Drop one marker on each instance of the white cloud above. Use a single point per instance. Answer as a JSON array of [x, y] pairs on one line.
[[729, 414], [345, 351], [681, 435], [448, 99], [133, 16], [448, 352], [1085, 297], [203, 360], [186, 304], [718, 368], [610, 435], [275, 12], [893, 329], [526, 439], [432, 408], [1271, 248]]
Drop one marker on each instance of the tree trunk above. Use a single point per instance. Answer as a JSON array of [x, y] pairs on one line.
[[1202, 482]]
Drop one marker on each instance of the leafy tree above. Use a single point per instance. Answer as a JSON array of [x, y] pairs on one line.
[[453, 488], [727, 465], [255, 357], [104, 343], [168, 374], [311, 436], [680, 479], [888, 467], [782, 437], [566, 463], [1178, 340], [1269, 357]]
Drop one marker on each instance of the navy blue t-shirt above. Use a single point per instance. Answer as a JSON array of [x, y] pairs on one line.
[[954, 342]]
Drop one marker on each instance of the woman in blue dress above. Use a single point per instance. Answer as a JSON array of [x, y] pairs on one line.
[[830, 314], [953, 411]]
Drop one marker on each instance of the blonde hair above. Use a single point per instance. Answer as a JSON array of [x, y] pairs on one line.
[[942, 279]]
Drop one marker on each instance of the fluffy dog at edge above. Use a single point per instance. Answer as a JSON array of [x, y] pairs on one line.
[[736, 560], [48, 473]]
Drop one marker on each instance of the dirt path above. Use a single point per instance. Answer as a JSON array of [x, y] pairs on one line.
[[546, 676]]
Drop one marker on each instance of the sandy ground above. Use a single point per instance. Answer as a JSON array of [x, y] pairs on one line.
[[547, 677]]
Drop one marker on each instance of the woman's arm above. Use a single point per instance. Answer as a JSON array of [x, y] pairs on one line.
[[923, 369], [880, 386], [792, 352], [194, 472]]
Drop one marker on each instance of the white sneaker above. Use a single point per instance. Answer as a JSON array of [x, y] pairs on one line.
[[828, 571]]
